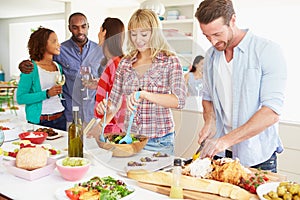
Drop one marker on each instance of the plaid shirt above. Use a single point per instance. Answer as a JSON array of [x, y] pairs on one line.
[[165, 77], [105, 84]]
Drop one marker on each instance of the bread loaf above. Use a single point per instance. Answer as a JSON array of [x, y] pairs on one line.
[[191, 183], [31, 158]]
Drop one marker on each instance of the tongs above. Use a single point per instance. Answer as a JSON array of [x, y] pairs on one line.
[[197, 154]]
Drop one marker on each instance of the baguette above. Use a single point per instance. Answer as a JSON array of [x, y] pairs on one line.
[[191, 183]]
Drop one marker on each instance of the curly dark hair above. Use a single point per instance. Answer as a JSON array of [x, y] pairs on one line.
[[37, 43]]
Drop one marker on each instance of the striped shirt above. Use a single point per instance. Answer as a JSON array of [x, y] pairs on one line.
[[105, 84], [165, 76]]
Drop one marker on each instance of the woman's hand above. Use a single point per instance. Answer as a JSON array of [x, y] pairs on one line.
[[55, 90], [132, 102], [95, 131]]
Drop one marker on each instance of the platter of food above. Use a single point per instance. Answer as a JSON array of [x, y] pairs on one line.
[[108, 187], [11, 149], [222, 178], [144, 160], [52, 134]]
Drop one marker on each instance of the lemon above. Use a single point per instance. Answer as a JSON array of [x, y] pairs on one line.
[[1, 151]]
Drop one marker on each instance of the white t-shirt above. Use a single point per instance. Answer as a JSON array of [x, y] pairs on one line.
[[47, 80], [224, 90]]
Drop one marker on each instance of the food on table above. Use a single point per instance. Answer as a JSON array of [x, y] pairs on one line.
[[164, 178], [106, 188], [147, 159], [19, 142], [49, 131], [159, 154], [116, 138], [1, 151], [285, 190], [26, 143], [199, 168], [4, 128], [134, 164], [31, 158], [73, 162], [34, 135], [255, 180]]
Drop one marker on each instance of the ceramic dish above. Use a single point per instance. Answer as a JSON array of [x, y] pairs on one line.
[[265, 188], [34, 137], [13, 146], [33, 174]]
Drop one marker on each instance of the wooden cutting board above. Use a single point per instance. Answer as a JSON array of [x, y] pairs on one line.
[[187, 194]]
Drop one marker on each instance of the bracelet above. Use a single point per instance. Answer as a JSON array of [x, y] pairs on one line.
[[47, 95]]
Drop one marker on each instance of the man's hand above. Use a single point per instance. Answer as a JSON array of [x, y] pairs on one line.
[[212, 147], [90, 84], [26, 66]]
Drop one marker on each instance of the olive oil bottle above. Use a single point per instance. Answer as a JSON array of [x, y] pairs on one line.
[[75, 136], [176, 188]]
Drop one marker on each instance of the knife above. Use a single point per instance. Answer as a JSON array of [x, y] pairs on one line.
[[197, 154]]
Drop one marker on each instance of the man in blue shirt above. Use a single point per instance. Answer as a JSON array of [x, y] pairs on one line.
[[244, 81], [76, 52]]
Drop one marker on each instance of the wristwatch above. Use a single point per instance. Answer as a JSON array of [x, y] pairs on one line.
[[47, 95]]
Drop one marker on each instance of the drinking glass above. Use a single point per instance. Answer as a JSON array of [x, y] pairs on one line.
[[60, 79], [1, 137], [86, 76]]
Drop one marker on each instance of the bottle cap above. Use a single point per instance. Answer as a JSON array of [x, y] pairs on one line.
[[75, 108], [177, 162]]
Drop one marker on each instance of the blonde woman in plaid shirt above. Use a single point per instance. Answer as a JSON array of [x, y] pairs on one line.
[[153, 69]]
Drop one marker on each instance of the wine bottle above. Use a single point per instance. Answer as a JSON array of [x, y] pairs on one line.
[[75, 136]]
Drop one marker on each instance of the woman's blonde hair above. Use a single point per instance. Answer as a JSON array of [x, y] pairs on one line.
[[147, 19]]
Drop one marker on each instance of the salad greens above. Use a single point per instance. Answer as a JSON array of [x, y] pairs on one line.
[[108, 187]]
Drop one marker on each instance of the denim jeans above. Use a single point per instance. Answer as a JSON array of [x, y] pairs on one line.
[[59, 123], [270, 164], [164, 144]]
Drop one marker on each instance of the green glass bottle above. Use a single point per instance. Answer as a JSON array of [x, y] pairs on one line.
[[75, 136]]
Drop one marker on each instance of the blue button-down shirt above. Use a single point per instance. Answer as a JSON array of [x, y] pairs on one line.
[[259, 79], [71, 59]]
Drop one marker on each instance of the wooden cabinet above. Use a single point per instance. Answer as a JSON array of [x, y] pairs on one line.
[[182, 29]]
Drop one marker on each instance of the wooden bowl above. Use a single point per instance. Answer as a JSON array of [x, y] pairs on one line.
[[124, 150]]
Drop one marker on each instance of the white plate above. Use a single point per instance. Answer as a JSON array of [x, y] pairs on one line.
[[9, 146], [54, 137], [61, 195], [10, 135], [265, 188]]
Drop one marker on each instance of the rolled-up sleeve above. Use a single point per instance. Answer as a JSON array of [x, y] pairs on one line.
[[274, 77], [177, 83]]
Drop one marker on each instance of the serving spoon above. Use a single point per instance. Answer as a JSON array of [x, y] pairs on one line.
[[127, 137]]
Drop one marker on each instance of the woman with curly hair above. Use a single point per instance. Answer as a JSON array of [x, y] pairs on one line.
[[37, 90]]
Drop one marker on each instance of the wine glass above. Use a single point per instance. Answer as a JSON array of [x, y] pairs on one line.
[[60, 79], [83, 71], [1, 137], [86, 77]]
